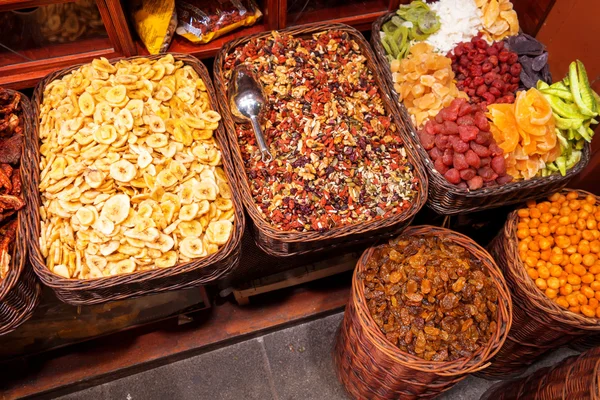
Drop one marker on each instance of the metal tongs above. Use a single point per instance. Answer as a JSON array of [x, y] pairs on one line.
[[246, 101]]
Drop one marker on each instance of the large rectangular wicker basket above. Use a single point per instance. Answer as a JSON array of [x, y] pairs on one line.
[[288, 243], [19, 291], [446, 198], [93, 291]]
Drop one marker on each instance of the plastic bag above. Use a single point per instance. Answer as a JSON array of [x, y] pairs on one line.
[[155, 22], [201, 21]]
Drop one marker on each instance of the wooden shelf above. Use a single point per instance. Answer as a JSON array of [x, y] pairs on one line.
[[358, 14], [8, 5], [208, 50]]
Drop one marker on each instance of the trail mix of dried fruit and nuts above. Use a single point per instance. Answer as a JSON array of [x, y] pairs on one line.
[[11, 199], [430, 297], [339, 159]]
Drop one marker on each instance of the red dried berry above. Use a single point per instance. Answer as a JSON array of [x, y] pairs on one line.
[[447, 158], [453, 176], [438, 118], [505, 68], [475, 183], [437, 128], [485, 161], [450, 128], [486, 173], [435, 153], [503, 56], [493, 60], [483, 138], [489, 78], [479, 59], [468, 173], [458, 145], [465, 109], [481, 121], [459, 161], [504, 179], [513, 58], [498, 165], [495, 92], [481, 90], [489, 98], [515, 69], [478, 81], [492, 51], [487, 67], [465, 121], [495, 149], [440, 166], [476, 70], [441, 141], [427, 140], [480, 150], [468, 133], [472, 159]]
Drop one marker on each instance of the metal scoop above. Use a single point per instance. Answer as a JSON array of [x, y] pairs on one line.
[[246, 102]]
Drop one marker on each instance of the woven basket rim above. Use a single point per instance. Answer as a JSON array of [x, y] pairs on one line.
[[15, 272], [484, 354], [436, 179], [516, 270], [35, 256], [339, 231]]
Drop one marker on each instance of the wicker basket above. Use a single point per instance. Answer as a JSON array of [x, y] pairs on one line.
[[446, 198], [93, 291], [370, 367], [585, 343], [289, 243], [573, 378], [19, 291], [539, 324]]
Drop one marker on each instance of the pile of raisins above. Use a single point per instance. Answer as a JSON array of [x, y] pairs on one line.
[[488, 74], [431, 298], [463, 149]]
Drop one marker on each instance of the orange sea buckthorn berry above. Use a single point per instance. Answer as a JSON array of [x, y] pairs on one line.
[[590, 199], [574, 279], [588, 278], [545, 254], [561, 301], [554, 196], [587, 292], [531, 203], [534, 213], [573, 218], [588, 311], [579, 270], [572, 196], [594, 246], [553, 283], [554, 210], [571, 250], [581, 298], [598, 312], [575, 309], [587, 235], [522, 233], [580, 224], [561, 230], [534, 246], [589, 259], [593, 302], [564, 212], [523, 213], [541, 284], [591, 224], [533, 274], [566, 289], [595, 285], [556, 271], [551, 293], [572, 300], [543, 272], [575, 239], [563, 279]]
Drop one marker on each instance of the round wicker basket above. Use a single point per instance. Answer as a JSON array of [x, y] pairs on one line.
[[539, 324], [19, 291], [575, 377], [370, 367]]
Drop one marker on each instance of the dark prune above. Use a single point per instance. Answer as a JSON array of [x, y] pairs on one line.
[[467, 174], [447, 157], [472, 159], [468, 133], [480, 150], [452, 176], [498, 165], [427, 140], [459, 161], [475, 183]]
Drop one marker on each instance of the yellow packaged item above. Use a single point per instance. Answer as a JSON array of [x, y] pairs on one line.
[[155, 22]]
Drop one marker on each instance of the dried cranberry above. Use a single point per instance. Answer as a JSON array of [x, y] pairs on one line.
[[493, 60], [481, 90], [464, 60], [486, 67], [498, 84], [489, 78], [467, 82], [453, 176], [476, 70], [478, 81], [495, 92], [495, 149], [515, 69], [489, 98], [504, 179], [505, 68], [492, 51], [504, 56], [513, 58], [459, 50], [479, 59]]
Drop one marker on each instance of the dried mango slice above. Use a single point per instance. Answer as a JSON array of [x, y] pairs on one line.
[[491, 12]]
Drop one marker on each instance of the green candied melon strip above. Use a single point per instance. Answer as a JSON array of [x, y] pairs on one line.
[[577, 92], [586, 90], [429, 23]]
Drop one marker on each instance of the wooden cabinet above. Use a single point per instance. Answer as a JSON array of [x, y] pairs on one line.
[[41, 36]]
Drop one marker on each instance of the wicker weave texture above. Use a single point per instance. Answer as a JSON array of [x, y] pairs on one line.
[[93, 291], [446, 198], [370, 367], [290, 243], [19, 291], [539, 324], [575, 378]]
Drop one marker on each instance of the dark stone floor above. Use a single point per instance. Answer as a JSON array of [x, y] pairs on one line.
[[291, 364]]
